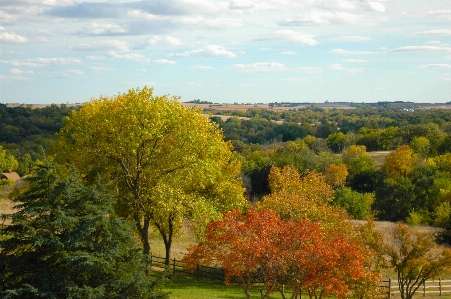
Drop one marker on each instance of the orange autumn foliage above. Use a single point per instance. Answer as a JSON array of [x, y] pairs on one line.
[[259, 245], [295, 196]]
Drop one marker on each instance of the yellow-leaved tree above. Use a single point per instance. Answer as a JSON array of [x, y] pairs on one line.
[[166, 161], [400, 162], [296, 196]]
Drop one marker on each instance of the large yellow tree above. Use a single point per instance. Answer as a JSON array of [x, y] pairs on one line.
[[400, 162], [165, 160]]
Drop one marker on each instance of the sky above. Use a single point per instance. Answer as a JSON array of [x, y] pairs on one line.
[[244, 51]]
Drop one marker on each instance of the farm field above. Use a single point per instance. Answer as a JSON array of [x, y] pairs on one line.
[[243, 107]]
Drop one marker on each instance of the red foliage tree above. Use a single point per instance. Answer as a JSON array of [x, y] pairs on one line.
[[260, 246]]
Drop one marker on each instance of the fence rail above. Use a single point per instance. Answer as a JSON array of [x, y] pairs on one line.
[[176, 266], [430, 287], [437, 287]]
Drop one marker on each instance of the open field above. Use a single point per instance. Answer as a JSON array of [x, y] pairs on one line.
[[379, 157], [244, 107]]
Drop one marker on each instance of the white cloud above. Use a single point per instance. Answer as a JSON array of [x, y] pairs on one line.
[[445, 78], [129, 56], [436, 66], [441, 32], [15, 78], [291, 36], [241, 5], [15, 71], [436, 43], [203, 67], [139, 14], [299, 80], [102, 69], [346, 52], [167, 40], [211, 23], [208, 51], [444, 13], [164, 61], [297, 38], [194, 83], [48, 2], [376, 6], [96, 57], [12, 38], [260, 66], [289, 53], [326, 17], [422, 49], [76, 72], [42, 62], [351, 38], [102, 29], [339, 67], [309, 69], [3, 52], [354, 60], [102, 46], [7, 18]]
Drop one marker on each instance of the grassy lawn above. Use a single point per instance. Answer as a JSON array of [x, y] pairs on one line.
[[185, 287], [181, 287]]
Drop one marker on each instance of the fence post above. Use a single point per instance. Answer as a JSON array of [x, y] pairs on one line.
[[197, 272], [173, 267], [440, 286], [424, 288], [389, 288]]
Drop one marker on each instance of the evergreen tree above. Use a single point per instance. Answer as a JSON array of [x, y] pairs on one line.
[[66, 242]]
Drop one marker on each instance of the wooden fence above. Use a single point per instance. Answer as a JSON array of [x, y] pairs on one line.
[[200, 272], [431, 287], [437, 287]]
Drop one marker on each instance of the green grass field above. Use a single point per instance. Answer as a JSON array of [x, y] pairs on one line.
[[181, 287]]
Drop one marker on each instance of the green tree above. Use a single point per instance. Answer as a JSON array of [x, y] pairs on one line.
[[152, 147], [25, 163], [65, 241], [421, 145], [357, 159], [395, 198], [7, 162], [336, 141], [358, 205]]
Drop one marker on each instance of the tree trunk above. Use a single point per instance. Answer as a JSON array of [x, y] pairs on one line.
[[167, 239], [143, 230]]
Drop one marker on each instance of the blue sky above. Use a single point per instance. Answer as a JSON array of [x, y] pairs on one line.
[[245, 51]]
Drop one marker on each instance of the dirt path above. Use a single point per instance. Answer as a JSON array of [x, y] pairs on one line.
[[6, 207]]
